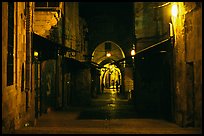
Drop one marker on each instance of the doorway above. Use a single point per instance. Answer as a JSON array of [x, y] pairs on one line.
[[110, 78]]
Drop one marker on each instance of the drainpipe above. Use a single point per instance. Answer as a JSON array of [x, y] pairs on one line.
[[16, 53], [28, 53], [63, 42]]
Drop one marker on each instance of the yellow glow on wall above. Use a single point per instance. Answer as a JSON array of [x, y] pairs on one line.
[[174, 10], [171, 29]]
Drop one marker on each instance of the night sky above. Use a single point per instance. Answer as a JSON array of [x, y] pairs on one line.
[[91, 9], [108, 20]]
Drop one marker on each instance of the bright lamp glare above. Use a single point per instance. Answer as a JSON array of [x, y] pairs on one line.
[[132, 52], [108, 54], [174, 10], [35, 53]]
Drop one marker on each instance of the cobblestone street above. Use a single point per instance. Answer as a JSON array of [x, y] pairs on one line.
[[108, 114]]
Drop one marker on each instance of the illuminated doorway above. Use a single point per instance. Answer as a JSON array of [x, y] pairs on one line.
[[105, 54], [110, 77]]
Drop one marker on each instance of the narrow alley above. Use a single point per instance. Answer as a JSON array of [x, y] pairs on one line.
[[101, 67]]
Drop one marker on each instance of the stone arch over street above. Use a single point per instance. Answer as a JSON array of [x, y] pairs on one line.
[[99, 54], [110, 74]]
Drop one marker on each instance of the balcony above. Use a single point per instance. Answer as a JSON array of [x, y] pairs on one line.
[[45, 18]]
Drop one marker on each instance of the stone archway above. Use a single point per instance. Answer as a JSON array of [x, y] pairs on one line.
[[99, 54], [110, 73]]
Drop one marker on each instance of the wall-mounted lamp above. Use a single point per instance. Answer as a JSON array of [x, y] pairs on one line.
[[108, 49], [174, 15], [174, 10], [35, 54], [108, 54], [133, 51]]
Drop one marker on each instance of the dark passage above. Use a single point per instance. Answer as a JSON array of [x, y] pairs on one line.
[[107, 114], [109, 106]]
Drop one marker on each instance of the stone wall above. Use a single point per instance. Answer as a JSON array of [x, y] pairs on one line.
[[17, 100], [48, 85], [71, 26], [81, 87], [151, 23], [187, 56], [188, 64]]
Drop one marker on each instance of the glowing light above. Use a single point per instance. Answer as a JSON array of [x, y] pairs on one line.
[[35, 53], [108, 54], [171, 29], [132, 52], [174, 10]]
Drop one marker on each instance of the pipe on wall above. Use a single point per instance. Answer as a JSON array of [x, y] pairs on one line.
[[28, 51]]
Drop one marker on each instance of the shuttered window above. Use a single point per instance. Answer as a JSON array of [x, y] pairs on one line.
[[10, 53]]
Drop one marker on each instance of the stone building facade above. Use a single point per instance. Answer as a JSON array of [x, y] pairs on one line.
[[17, 68], [188, 64], [36, 39], [61, 25], [183, 59]]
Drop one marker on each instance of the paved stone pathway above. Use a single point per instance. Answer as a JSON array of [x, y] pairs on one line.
[[108, 114]]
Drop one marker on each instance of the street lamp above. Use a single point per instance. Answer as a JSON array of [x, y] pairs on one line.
[[174, 15], [174, 10], [133, 51], [108, 54], [133, 54], [133, 67], [35, 54]]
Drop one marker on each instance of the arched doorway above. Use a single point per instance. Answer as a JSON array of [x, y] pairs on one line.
[[110, 77], [105, 54]]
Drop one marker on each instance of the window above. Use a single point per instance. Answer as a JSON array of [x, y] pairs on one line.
[[10, 56], [22, 78], [46, 4]]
